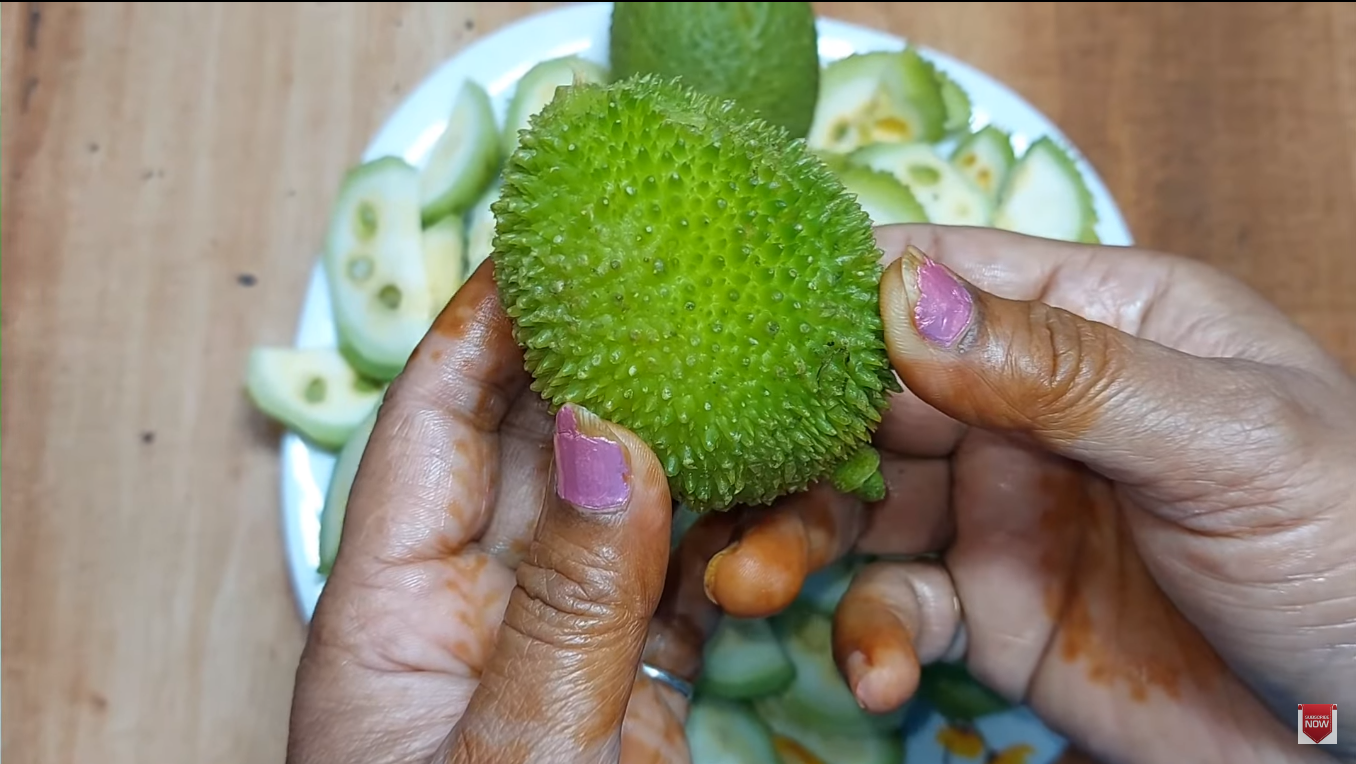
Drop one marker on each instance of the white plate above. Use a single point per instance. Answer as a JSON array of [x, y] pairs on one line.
[[496, 62]]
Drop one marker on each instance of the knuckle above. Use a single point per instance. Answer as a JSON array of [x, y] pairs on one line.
[[568, 597], [1075, 361]]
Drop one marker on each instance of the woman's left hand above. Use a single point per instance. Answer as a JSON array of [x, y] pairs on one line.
[[406, 659]]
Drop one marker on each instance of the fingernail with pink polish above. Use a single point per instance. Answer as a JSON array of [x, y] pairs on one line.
[[945, 307], [591, 471]]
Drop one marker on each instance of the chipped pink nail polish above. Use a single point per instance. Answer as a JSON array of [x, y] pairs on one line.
[[591, 472], [944, 307]]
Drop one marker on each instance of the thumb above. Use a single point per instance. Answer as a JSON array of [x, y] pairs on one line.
[[557, 685], [1132, 409]]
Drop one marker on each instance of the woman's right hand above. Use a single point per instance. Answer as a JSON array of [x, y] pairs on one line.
[[1143, 478]]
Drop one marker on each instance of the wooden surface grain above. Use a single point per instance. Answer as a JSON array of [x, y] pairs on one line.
[[167, 171]]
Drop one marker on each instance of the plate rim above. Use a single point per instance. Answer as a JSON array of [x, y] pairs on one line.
[[297, 457]]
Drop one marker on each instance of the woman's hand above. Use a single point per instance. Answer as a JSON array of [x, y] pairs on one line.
[[455, 525], [1142, 476]]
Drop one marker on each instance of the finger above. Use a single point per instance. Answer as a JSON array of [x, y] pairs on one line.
[[567, 654], [1007, 264], [426, 482], [761, 573], [1175, 301], [652, 732], [894, 617], [524, 487], [686, 617], [915, 515], [684, 620], [1083, 389]]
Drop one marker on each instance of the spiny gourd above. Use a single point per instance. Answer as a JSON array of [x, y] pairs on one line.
[[686, 270]]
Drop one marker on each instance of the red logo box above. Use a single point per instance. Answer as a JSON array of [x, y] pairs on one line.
[[1317, 723]]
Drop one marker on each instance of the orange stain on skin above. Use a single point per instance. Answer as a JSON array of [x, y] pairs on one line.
[[477, 295], [873, 641], [874, 632], [1111, 617], [761, 574], [480, 610], [685, 616], [465, 513], [652, 732], [831, 521], [459, 389], [882, 642], [478, 361], [472, 746]]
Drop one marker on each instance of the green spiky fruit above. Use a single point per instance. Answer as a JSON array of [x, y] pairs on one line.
[[685, 270], [763, 56]]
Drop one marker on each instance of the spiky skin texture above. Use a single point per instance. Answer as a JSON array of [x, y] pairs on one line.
[[687, 271], [763, 56]]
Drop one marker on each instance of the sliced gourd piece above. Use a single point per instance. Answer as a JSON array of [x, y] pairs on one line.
[[1045, 195], [947, 196], [721, 731], [480, 229], [819, 696], [880, 97], [538, 86], [957, 695], [957, 103], [374, 262], [810, 743], [883, 197], [744, 660], [824, 589], [464, 160], [313, 392], [986, 158], [445, 260], [336, 497]]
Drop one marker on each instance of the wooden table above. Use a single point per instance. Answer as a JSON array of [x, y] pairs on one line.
[[167, 173]]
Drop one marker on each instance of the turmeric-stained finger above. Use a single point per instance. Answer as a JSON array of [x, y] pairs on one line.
[[685, 617], [763, 570], [684, 620], [894, 617]]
